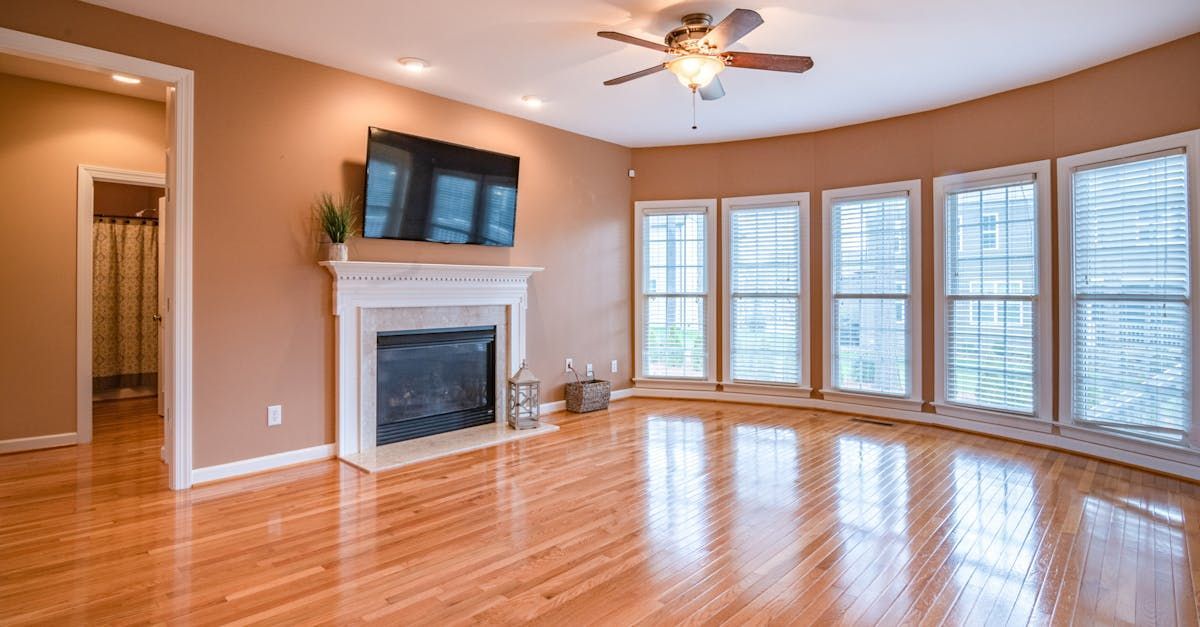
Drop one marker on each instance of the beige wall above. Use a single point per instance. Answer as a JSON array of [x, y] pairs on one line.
[[1148, 94], [272, 131], [119, 199], [46, 131]]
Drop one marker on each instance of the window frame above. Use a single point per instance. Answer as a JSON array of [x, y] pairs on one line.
[[643, 208], [1043, 338], [915, 398], [1189, 142], [749, 203]]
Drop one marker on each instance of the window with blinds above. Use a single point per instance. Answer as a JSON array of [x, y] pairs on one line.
[[674, 294], [1131, 318], [872, 294], [991, 292], [765, 268]]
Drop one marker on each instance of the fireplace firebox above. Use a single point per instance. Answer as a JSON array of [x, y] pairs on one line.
[[431, 381]]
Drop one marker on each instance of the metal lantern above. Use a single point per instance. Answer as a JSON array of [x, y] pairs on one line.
[[523, 407]]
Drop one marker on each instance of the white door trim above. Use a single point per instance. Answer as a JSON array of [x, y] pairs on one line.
[[179, 226], [84, 266]]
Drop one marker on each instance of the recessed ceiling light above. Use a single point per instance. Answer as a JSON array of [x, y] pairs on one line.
[[414, 65], [533, 102], [128, 80]]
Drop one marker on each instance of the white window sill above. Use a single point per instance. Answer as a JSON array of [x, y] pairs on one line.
[[767, 389], [674, 384], [1018, 421], [1175, 452], [890, 402]]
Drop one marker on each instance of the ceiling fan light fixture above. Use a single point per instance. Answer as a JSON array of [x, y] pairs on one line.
[[696, 70]]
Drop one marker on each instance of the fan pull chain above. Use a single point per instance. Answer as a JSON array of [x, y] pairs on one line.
[[694, 108]]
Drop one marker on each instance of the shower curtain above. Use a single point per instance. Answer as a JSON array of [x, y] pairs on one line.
[[124, 301]]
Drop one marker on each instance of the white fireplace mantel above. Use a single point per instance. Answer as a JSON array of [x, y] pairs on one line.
[[360, 285]]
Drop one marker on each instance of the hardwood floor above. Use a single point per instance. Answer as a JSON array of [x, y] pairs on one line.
[[656, 512]]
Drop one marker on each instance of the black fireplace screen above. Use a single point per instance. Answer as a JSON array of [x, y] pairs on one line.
[[433, 381]]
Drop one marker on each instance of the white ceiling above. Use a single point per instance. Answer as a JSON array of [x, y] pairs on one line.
[[874, 58]]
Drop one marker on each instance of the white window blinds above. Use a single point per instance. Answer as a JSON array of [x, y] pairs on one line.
[[1131, 344], [675, 294], [991, 288], [764, 308], [871, 294]]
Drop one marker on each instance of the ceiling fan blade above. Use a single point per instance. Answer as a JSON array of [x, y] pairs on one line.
[[628, 77], [713, 90], [774, 62], [623, 38], [735, 26]]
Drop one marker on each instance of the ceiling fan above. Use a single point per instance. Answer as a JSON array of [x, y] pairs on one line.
[[699, 52]]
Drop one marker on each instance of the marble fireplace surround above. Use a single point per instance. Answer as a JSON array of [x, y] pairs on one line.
[[377, 320], [370, 297]]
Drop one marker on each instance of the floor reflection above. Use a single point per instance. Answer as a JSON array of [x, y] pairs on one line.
[[765, 465], [676, 484], [995, 538], [872, 487]]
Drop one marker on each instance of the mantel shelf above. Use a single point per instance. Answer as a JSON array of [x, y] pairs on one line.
[[405, 271]]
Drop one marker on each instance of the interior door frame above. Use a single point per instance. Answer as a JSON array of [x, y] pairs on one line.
[[179, 233], [89, 175]]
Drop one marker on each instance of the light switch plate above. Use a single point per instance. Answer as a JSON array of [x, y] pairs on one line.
[[614, 365], [274, 415]]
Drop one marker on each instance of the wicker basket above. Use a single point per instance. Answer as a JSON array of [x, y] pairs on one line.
[[585, 396]]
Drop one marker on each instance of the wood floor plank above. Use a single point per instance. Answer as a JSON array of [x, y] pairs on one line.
[[653, 512]]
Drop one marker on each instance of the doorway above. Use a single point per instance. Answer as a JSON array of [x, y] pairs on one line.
[[126, 308], [176, 327]]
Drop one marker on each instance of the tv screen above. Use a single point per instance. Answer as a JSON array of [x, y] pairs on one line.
[[427, 190]]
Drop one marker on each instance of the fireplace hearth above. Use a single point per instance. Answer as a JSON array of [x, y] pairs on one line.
[[431, 381]]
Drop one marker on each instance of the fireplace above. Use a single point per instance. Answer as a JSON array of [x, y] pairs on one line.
[[431, 381]]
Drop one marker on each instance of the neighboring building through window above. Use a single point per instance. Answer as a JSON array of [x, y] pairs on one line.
[[993, 319], [872, 246], [1129, 315]]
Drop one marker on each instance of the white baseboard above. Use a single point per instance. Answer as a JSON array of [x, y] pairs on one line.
[[16, 445], [266, 462], [557, 406], [1177, 462]]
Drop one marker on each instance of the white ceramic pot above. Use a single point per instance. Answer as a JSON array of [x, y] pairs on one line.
[[337, 252]]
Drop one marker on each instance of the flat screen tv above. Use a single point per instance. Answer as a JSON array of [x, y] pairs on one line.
[[427, 190]]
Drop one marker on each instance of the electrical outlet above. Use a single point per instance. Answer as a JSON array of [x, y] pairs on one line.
[[614, 365], [590, 372], [570, 363], [274, 415]]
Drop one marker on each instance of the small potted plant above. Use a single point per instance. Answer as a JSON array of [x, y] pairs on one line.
[[337, 219]]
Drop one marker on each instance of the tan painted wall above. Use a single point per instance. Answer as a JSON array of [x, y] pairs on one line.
[[119, 199], [1148, 94], [272, 131], [46, 131]]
